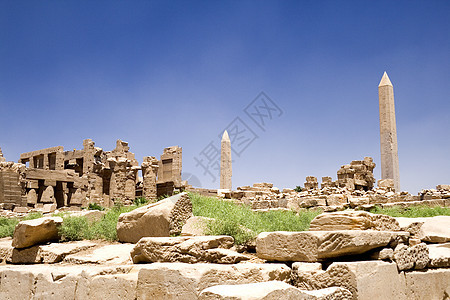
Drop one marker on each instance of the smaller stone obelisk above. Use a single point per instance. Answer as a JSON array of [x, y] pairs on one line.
[[225, 162], [2, 159], [388, 132]]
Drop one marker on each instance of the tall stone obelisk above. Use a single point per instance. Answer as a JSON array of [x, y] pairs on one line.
[[225, 162], [388, 132]]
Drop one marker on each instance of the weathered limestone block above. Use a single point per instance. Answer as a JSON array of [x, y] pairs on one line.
[[90, 215], [162, 218], [435, 230], [109, 254], [364, 279], [32, 232], [48, 196], [411, 225], [32, 197], [150, 172], [387, 184], [431, 284], [439, 255], [383, 254], [270, 290], [354, 220], [336, 200], [77, 198], [415, 257], [443, 187], [49, 254], [195, 226], [6, 249], [186, 249], [186, 281], [311, 246]]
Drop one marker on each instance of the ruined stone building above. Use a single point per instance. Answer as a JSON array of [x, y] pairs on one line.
[[89, 175]]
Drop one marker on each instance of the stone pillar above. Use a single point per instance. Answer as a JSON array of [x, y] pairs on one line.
[[88, 156], [225, 162], [118, 179], [2, 159], [388, 132], [149, 172]]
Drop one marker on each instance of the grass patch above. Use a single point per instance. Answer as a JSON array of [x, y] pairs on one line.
[[232, 219], [412, 212], [80, 228]]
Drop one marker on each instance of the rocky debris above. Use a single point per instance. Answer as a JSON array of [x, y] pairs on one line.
[[429, 284], [186, 281], [271, 290], [32, 232], [415, 257], [364, 279], [435, 230], [108, 254], [354, 220], [311, 246], [163, 218], [90, 215], [213, 249], [68, 282], [49, 254], [439, 255], [195, 226], [383, 254]]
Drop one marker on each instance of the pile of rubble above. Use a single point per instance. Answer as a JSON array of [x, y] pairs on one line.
[[345, 255]]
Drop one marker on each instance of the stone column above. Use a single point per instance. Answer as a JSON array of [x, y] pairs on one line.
[[149, 173], [2, 159], [388, 132], [225, 162]]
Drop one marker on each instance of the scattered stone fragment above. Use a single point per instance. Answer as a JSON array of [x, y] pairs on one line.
[[383, 254], [90, 215], [186, 281], [435, 230], [186, 249], [311, 246], [439, 256], [163, 218], [354, 220], [415, 257], [366, 280], [32, 232]]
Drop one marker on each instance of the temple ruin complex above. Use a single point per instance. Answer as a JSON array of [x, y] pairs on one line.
[[76, 178]]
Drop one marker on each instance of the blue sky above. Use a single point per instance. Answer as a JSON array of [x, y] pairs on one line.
[[163, 73]]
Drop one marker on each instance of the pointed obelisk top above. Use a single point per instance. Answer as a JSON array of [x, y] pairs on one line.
[[385, 80], [225, 136]]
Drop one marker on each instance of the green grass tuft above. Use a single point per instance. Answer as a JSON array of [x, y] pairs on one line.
[[412, 212], [232, 219]]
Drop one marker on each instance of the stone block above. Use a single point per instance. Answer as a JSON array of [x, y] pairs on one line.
[[32, 232], [431, 284], [354, 220], [159, 219], [366, 280], [439, 255], [186, 281], [415, 257], [214, 249], [312, 246], [109, 254]]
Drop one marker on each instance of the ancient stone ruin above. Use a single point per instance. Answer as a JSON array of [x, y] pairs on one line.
[[52, 178]]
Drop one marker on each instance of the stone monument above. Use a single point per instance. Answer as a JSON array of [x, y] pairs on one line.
[[225, 162], [388, 132]]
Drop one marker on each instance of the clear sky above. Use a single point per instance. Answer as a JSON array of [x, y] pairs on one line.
[[163, 73]]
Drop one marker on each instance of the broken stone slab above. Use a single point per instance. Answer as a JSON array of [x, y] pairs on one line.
[[383, 254], [50, 254], [186, 249], [109, 254], [429, 284], [90, 215], [32, 232], [415, 257], [354, 220], [439, 255], [312, 246], [68, 282], [6, 249], [186, 281], [163, 218], [195, 226], [429, 229], [270, 290], [366, 280]]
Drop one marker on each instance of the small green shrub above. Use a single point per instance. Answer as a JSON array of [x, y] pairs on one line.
[[7, 226], [95, 206], [298, 189], [75, 229], [140, 201]]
